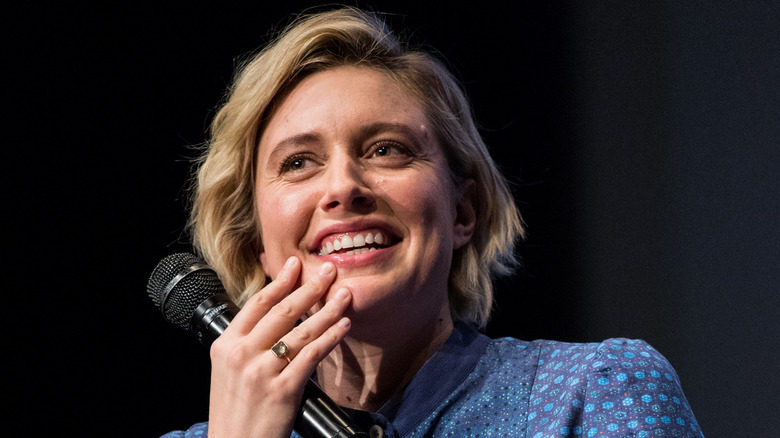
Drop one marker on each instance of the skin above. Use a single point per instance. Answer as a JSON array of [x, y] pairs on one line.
[[348, 152]]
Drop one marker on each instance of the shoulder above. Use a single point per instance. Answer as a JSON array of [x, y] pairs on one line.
[[554, 362], [627, 354], [555, 355], [618, 386], [608, 363]]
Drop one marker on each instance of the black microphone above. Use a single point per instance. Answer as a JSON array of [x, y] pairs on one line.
[[189, 294]]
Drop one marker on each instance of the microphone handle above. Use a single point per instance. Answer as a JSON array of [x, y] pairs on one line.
[[318, 415]]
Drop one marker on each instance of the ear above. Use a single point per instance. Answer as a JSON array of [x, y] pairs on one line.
[[465, 214], [263, 262], [261, 255]]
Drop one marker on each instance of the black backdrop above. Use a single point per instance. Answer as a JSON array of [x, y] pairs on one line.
[[641, 139]]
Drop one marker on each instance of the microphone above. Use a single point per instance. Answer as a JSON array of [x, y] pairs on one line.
[[190, 295]]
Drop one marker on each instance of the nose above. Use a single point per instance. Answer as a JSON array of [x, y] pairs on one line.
[[346, 187]]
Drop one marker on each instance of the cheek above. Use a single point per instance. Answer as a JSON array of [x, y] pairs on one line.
[[283, 222], [424, 198], [423, 205]]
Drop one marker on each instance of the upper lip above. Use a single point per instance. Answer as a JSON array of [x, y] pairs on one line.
[[354, 227]]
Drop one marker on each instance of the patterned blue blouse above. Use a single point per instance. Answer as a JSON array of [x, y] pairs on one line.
[[481, 387]]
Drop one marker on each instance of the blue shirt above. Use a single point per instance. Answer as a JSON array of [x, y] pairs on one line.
[[475, 386]]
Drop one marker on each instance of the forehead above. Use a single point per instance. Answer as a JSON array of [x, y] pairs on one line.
[[348, 95]]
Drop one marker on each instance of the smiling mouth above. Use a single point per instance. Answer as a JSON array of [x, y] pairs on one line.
[[354, 243]]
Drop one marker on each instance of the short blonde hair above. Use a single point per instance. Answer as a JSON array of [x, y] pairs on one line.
[[224, 221]]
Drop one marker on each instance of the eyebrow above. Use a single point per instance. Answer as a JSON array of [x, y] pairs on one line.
[[364, 132], [303, 138], [416, 137], [298, 139], [377, 127]]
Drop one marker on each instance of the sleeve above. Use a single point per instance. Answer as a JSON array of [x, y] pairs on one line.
[[618, 388], [199, 430]]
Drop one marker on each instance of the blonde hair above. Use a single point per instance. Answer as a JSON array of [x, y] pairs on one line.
[[224, 221]]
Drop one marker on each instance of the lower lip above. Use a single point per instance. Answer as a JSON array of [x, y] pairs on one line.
[[359, 260]]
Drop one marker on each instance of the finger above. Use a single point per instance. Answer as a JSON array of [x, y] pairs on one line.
[[283, 316], [260, 303], [317, 324], [307, 359]]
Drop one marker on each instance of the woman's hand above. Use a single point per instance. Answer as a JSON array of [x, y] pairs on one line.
[[254, 393]]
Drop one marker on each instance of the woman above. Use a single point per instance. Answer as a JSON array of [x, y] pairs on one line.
[[349, 170]]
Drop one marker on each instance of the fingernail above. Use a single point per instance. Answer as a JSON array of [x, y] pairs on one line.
[[289, 263], [344, 322], [326, 268], [341, 294]]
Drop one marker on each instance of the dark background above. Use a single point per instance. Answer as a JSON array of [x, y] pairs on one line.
[[642, 140]]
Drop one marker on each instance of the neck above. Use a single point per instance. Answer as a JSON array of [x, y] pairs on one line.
[[363, 373]]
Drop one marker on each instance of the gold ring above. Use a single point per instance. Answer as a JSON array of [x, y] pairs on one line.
[[280, 350]]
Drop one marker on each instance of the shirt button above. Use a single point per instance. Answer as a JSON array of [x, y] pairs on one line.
[[376, 432]]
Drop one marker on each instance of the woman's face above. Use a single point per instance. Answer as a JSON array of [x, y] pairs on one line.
[[349, 171]]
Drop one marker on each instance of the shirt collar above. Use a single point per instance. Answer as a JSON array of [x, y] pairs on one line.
[[437, 379]]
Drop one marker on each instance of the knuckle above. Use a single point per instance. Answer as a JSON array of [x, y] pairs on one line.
[[302, 334], [255, 376], [261, 300], [284, 309], [316, 351], [311, 354], [218, 348], [332, 337], [235, 357]]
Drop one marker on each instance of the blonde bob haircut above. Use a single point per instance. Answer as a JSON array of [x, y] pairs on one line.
[[224, 222]]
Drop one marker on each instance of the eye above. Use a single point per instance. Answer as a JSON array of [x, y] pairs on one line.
[[294, 163], [387, 148]]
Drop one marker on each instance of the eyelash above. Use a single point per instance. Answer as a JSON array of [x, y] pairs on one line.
[[388, 144], [287, 164]]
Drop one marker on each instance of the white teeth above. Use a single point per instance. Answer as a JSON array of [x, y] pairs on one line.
[[360, 251], [357, 241]]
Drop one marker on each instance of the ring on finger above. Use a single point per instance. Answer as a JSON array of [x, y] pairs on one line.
[[280, 350]]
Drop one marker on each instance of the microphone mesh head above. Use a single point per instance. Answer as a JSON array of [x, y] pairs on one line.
[[191, 287]]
